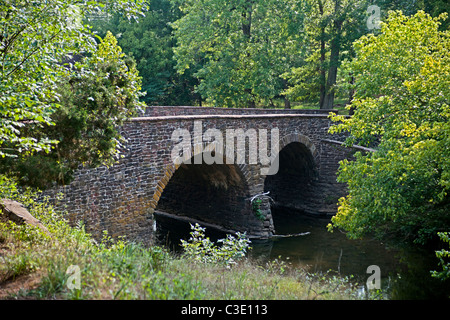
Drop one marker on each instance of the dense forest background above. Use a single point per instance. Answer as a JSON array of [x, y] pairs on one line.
[[250, 53]]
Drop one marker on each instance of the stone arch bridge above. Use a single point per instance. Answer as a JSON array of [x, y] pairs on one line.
[[124, 198]]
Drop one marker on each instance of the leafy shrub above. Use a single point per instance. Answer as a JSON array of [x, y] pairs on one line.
[[256, 207], [442, 255], [202, 249], [401, 106]]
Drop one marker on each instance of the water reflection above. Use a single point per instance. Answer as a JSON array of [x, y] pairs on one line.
[[405, 273], [320, 250]]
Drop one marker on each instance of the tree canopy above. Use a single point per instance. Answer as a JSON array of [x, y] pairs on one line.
[[151, 42], [330, 28], [38, 45], [402, 105], [238, 49]]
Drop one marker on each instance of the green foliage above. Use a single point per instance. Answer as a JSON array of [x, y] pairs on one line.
[[121, 258], [410, 7], [401, 102], [202, 249], [436, 8], [157, 286], [443, 255], [100, 92], [247, 53], [16, 265], [238, 49], [329, 28], [150, 42], [256, 203], [35, 39], [37, 86]]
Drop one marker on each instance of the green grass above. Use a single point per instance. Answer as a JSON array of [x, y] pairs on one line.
[[34, 265], [116, 269]]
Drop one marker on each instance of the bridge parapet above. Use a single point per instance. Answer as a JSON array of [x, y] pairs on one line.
[[160, 111]]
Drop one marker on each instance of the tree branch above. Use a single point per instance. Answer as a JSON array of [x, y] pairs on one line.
[[31, 53]]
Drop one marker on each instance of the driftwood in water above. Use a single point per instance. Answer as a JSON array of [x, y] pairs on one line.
[[217, 227], [290, 235]]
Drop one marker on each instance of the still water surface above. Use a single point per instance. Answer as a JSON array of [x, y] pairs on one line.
[[405, 272]]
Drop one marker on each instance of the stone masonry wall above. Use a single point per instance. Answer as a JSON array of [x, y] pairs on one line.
[[121, 199]]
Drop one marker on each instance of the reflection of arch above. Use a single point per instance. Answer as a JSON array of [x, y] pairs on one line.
[[212, 193]]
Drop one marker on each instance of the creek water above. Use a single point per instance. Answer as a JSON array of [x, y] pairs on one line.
[[404, 271]]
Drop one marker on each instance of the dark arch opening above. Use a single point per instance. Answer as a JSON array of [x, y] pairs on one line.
[[292, 187], [213, 194]]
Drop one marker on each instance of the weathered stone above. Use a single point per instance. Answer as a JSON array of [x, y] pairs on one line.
[[16, 212], [146, 177]]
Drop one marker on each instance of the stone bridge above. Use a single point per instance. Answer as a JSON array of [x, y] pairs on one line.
[[124, 199]]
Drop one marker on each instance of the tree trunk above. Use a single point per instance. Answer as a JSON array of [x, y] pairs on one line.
[[351, 94], [246, 30], [247, 23], [332, 75], [287, 103], [322, 71], [251, 101], [334, 59]]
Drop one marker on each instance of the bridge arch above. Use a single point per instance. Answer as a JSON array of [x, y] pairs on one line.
[[292, 186], [214, 194], [302, 139]]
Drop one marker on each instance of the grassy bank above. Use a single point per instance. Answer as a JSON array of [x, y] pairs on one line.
[[36, 265]]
